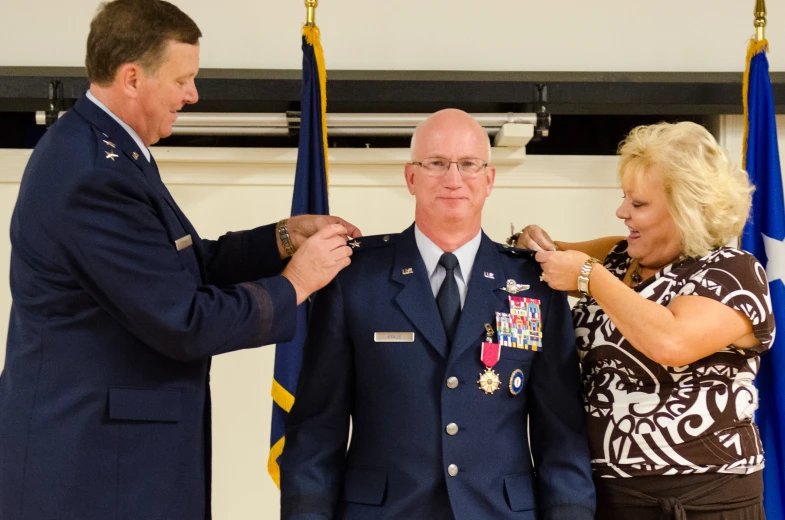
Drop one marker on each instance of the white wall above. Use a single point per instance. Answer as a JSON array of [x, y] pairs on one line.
[[518, 35]]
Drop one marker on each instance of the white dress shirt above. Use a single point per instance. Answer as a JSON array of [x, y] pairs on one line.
[[431, 253]]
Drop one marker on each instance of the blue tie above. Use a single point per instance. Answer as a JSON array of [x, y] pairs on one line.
[[448, 299]]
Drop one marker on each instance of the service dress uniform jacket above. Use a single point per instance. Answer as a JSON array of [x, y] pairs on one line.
[[118, 306], [426, 442]]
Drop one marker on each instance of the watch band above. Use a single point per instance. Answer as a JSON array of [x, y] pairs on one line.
[[283, 233], [583, 278]]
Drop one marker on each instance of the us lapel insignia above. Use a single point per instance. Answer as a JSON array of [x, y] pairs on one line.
[[407, 271], [488, 275], [111, 155], [514, 287]]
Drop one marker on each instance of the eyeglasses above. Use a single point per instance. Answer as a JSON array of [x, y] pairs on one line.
[[469, 167]]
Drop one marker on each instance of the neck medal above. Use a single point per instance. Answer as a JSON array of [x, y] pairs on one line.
[[489, 355]]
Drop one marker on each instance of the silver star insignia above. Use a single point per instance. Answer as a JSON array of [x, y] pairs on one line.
[[111, 155], [354, 244], [514, 287], [110, 143]]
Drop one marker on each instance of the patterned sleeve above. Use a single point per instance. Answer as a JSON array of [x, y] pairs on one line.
[[736, 279]]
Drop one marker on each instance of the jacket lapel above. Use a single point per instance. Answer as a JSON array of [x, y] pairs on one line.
[[416, 299], [118, 140], [483, 299], [116, 137]]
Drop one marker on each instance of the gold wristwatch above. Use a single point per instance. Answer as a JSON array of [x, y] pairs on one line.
[[583, 278]]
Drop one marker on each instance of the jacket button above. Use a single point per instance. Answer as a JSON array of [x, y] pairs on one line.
[[452, 469], [452, 382], [452, 428]]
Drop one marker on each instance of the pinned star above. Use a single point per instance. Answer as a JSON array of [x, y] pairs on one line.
[[354, 244], [111, 155], [514, 287], [110, 143], [775, 252]]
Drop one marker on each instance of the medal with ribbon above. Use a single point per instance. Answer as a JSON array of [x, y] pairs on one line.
[[489, 355]]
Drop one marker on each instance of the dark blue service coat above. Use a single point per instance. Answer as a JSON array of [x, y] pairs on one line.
[[118, 305], [426, 442]]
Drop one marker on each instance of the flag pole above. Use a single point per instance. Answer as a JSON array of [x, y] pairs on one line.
[[310, 17], [760, 19]]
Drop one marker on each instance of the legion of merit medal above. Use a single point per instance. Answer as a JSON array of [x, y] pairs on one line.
[[489, 355]]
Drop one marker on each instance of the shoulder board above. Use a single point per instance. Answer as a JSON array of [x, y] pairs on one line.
[[516, 251], [371, 242]]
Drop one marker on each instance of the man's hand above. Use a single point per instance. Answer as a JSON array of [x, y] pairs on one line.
[[535, 238], [318, 259], [303, 226]]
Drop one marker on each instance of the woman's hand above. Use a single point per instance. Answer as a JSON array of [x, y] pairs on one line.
[[535, 238], [560, 269]]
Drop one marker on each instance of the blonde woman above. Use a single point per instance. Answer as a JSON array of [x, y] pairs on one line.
[[670, 328]]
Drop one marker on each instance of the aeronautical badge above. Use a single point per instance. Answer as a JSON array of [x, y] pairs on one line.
[[516, 381], [514, 287], [489, 355]]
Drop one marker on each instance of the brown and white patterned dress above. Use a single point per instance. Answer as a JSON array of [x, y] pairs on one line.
[[645, 418]]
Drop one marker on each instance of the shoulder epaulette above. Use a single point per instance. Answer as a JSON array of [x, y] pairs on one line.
[[371, 242], [516, 251]]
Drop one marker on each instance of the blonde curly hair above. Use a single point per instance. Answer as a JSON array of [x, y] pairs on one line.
[[709, 197]]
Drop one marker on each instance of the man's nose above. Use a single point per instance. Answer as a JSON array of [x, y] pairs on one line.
[[453, 177]]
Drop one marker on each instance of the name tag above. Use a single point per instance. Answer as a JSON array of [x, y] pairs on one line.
[[393, 337], [182, 243]]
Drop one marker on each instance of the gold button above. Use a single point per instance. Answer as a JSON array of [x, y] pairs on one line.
[[452, 470], [386, 238], [452, 428], [452, 382]]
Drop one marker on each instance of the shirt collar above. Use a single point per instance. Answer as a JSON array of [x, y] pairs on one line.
[[122, 123], [431, 253]]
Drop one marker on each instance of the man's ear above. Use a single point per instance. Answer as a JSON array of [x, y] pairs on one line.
[[128, 77], [408, 173], [491, 178]]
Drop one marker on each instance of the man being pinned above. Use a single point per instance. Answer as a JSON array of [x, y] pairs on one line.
[[396, 345]]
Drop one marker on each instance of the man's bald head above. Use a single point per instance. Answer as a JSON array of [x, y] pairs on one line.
[[447, 118]]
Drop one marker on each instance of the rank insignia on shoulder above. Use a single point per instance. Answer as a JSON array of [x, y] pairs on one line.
[[354, 244], [514, 287], [110, 144], [111, 155]]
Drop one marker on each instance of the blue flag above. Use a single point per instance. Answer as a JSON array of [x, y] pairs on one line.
[[310, 196], [764, 237]]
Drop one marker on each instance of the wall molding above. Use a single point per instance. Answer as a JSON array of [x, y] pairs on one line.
[[363, 167]]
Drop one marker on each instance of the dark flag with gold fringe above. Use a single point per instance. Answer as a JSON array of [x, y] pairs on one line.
[[764, 237], [310, 196]]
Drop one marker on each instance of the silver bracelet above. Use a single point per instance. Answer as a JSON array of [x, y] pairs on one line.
[[283, 233]]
